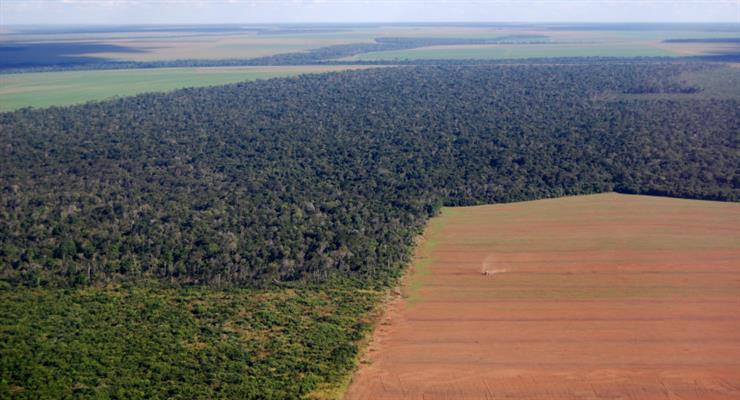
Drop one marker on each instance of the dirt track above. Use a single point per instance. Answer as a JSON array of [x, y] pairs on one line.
[[594, 297]]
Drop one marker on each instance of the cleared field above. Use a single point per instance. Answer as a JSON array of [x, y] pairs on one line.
[[517, 51], [605, 296], [73, 87], [157, 46], [227, 46], [240, 42], [566, 43]]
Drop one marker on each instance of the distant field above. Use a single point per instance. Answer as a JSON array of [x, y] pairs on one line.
[[72, 87], [231, 46], [602, 296], [568, 44], [240, 42], [154, 46], [518, 51]]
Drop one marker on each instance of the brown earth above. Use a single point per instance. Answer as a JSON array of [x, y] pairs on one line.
[[594, 297]]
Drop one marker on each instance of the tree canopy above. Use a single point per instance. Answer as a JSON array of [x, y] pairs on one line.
[[324, 177]]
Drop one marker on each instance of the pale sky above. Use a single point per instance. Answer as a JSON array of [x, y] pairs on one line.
[[14, 12]]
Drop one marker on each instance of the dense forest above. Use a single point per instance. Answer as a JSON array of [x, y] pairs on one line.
[[330, 177], [166, 343]]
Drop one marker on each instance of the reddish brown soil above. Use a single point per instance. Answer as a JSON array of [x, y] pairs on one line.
[[595, 297]]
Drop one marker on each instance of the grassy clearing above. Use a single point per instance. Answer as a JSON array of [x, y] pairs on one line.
[[74, 87]]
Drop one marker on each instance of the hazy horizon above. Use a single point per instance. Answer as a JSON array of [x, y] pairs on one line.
[[375, 23], [181, 12]]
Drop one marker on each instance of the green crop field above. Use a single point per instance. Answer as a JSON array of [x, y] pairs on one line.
[[73, 87]]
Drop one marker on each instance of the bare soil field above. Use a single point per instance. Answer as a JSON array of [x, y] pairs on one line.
[[595, 297]]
